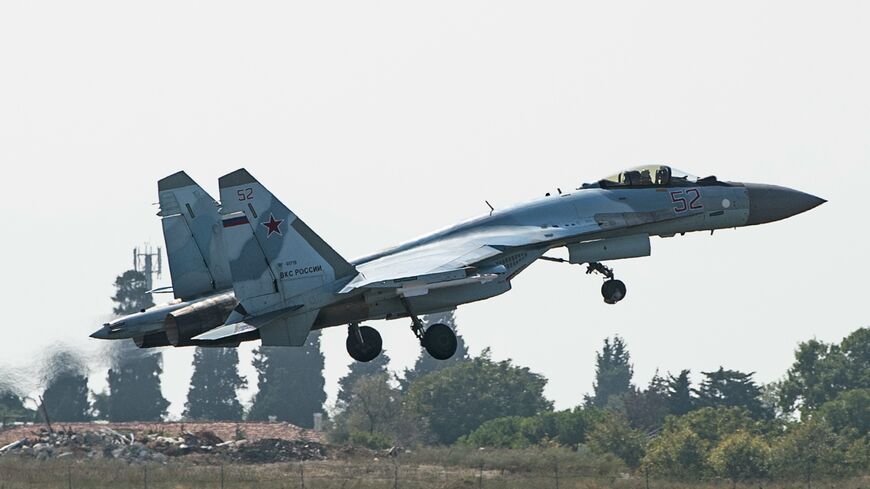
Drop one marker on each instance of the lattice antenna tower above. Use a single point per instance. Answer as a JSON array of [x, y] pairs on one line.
[[149, 261]]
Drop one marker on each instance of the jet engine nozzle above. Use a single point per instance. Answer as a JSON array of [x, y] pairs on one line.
[[769, 203]]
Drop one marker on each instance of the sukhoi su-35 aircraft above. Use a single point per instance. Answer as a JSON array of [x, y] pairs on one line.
[[251, 269]]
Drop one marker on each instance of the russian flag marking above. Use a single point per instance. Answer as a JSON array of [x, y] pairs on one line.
[[235, 221]]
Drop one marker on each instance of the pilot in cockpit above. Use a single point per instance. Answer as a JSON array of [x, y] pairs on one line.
[[645, 178], [631, 178], [663, 176]]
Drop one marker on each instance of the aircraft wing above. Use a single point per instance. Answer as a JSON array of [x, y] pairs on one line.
[[456, 259], [451, 260]]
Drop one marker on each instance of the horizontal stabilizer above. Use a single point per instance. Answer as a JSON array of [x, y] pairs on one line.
[[278, 328]]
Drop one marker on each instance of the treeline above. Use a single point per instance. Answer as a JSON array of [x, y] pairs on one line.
[[682, 425], [290, 380], [814, 423]]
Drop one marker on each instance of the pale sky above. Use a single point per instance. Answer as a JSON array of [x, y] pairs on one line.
[[380, 121]]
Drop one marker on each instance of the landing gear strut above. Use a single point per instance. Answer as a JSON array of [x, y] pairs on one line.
[[438, 339], [612, 290], [363, 343]]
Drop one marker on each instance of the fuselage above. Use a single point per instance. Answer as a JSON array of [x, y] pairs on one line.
[[597, 222]]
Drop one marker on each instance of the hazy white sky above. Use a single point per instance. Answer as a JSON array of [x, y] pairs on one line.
[[379, 121]]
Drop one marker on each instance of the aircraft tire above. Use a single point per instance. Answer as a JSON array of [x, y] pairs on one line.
[[613, 291], [440, 341], [369, 349]]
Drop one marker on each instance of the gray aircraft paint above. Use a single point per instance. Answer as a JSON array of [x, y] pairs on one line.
[[198, 265], [288, 280], [191, 229]]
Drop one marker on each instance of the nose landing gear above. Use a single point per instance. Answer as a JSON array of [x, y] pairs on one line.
[[612, 290]]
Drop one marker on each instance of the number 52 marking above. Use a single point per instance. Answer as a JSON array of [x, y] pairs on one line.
[[686, 199], [245, 194]]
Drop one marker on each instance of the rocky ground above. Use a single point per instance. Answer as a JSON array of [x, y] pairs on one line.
[[138, 442]]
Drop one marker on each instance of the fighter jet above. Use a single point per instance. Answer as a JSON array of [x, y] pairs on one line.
[[287, 281]]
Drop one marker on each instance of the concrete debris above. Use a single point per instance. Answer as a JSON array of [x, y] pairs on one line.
[[107, 443]]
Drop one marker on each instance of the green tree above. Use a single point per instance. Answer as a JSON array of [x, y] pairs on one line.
[[12, 408], [64, 376], [357, 371], [376, 415], [731, 388], [613, 434], [131, 293], [680, 399], [214, 386], [678, 454], [741, 457], [456, 400], [682, 451], [290, 382], [646, 410], [848, 414], [822, 371], [807, 450], [134, 392], [613, 373], [134, 388], [425, 364]]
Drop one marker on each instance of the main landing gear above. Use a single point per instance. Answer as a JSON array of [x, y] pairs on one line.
[[438, 339], [612, 290], [363, 343]]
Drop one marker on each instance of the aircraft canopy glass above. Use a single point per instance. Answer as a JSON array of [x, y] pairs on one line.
[[648, 176]]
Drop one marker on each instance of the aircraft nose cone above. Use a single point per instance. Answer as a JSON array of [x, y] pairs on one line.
[[102, 333], [769, 203]]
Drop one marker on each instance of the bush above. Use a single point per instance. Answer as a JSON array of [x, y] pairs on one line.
[[741, 456], [498, 433], [678, 454], [374, 441], [613, 434], [566, 428]]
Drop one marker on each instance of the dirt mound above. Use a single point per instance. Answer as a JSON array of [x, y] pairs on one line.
[[153, 445]]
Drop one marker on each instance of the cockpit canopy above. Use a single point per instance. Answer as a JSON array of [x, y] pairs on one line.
[[648, 176]]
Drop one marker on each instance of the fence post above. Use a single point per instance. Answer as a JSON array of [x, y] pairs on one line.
[[302, 473], [646, 474], [145, 475], [556, 467], [69, 476], [222, 477], [396, 475], [480, 478]]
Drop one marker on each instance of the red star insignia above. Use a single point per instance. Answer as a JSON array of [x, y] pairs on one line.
[[273, 226]]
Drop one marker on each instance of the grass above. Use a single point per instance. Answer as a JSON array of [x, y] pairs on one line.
[[428, 468]]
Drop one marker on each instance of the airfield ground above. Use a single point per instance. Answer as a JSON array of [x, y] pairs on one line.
[[279, 455]]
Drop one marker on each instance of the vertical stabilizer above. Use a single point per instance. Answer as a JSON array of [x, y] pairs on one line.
[[276, 260], [191, 229]]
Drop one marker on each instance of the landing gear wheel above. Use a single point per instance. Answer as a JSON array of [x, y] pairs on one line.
[[440, 341], [613, 291], [370, 347]]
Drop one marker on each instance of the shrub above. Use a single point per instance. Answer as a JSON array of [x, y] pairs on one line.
[[375, 441], [741, 456]]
